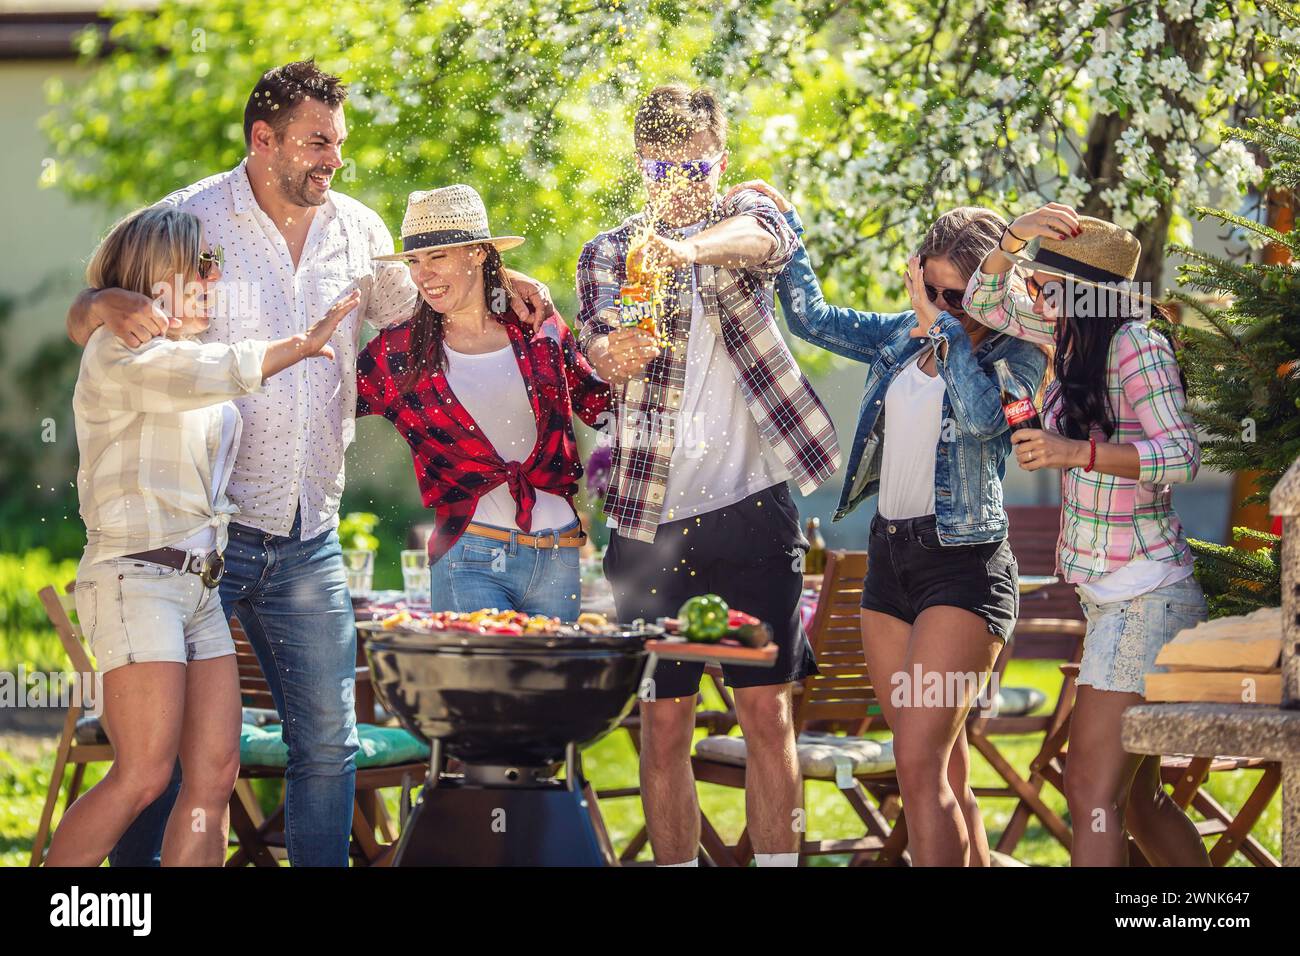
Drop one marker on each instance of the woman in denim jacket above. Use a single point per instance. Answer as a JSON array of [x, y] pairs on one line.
[[940, 597]]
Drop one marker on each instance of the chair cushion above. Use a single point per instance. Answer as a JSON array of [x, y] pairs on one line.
[[821, 756], [380, 746], [260, 716], [1018, 701], [90, 731]]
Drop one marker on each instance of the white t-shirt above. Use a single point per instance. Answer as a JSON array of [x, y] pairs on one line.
[[492, 389], [1133, 580], [719, 457], [223, 463], [913, 422]]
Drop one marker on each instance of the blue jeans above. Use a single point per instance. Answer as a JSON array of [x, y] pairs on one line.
[[291, 598], [481, 572]]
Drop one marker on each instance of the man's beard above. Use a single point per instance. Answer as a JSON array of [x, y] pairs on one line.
[[297, 188]]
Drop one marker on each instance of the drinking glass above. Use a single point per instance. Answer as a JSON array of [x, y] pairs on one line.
[[360, 566], [415, 576]]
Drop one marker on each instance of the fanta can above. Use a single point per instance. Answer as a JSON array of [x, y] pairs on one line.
[[636, 311]]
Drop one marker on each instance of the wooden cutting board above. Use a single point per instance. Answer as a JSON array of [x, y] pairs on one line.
[[1215, 687], [1251, 642], [680, 649]]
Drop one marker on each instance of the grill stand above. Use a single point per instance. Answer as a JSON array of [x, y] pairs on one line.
[[501, 816], [504, 816]]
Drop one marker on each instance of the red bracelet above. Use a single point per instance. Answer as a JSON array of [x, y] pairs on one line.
[[1092, 453]]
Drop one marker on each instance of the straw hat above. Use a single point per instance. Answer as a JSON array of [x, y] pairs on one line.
[[445, 218], [1101, 253]]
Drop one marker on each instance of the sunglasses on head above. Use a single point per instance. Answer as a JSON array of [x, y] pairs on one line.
[[695, 170], [215, 257]]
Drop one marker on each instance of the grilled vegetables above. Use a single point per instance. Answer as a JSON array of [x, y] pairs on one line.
[[747, 629], [704, 618], [494, 621]]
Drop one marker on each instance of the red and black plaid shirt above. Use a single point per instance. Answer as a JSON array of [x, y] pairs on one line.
[[454, 461], [738, 302]]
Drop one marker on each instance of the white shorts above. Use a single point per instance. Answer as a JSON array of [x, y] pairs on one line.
[[134, 612]]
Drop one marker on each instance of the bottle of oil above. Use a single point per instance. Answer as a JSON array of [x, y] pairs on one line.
[[815, 559]]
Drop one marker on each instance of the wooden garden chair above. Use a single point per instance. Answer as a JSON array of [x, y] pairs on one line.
[[1051, 621], [840, 699], [261, 837], [1051, 626], [83, 740], [1187, 775], [1044, 768]]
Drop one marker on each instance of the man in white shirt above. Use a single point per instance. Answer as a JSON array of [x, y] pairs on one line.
[[292, 247]]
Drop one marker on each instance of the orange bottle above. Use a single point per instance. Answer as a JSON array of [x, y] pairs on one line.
[[636, 305]]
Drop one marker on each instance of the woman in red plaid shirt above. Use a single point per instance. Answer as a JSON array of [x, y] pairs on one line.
[[486, 403]]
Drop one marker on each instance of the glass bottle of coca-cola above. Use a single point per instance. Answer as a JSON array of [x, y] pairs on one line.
[[1017, 402]]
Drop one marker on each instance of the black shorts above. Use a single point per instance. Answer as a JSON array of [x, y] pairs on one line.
[[750, 554], [908, 570]]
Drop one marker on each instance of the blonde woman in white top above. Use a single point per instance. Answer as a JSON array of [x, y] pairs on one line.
[[157, 435]]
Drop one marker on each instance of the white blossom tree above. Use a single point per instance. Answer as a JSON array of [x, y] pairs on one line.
[[877, 114], [1112, 106]]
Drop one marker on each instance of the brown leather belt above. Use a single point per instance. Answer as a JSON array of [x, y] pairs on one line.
[[574, 538], [209, 567]]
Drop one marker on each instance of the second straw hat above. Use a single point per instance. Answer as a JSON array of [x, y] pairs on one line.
[[445, 218]]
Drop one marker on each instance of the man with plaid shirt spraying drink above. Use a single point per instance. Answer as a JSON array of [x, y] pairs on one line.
[[713, 418]]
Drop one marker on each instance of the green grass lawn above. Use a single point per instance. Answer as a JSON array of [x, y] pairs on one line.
[[25, 768], [612, 762]]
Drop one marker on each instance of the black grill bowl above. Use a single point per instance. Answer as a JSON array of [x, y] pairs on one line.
[[506, 700]]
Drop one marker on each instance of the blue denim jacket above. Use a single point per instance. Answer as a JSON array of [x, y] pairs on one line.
[[968, 469]]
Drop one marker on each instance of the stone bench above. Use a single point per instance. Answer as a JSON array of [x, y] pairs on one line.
[[1208, 730]]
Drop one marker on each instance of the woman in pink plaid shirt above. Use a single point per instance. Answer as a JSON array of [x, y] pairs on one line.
[[1116, 424]]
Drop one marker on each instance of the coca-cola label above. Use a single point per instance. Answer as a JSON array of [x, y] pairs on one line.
[[1021, 410]]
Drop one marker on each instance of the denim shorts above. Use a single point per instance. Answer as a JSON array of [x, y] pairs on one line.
[[134, 612], [481, 572], [909, 570], [1124, 637]]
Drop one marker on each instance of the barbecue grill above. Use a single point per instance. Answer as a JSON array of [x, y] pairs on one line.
[[512, 710]]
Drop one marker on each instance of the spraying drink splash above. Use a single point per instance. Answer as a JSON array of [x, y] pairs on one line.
[[646, 285]]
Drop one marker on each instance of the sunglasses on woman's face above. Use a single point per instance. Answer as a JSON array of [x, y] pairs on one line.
[[215, 257], [695, 170], [1035, 288], [951, 297]]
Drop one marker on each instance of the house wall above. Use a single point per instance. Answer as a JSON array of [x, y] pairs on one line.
[[44, 245]]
